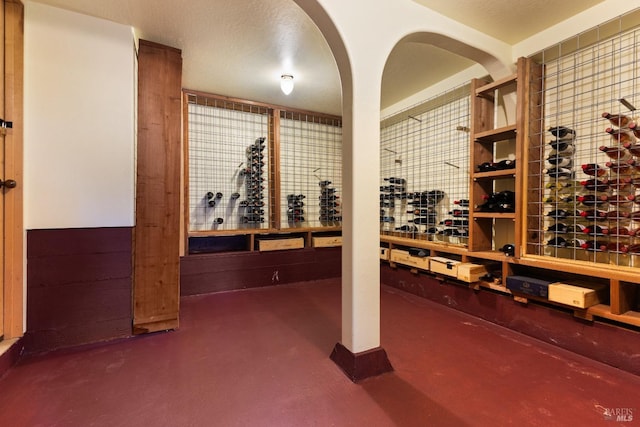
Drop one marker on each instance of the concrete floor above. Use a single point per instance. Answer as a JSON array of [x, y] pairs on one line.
[[260, 357]]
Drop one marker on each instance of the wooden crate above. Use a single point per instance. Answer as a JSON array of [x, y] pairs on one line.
[[265, 245], [402, 257], [326, 241], [575, 296], [470, 273], [384, 254], [445, 266]]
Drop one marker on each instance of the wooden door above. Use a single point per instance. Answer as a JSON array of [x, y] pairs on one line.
[[11, 225]]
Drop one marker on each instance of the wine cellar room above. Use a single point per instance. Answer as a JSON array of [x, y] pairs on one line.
[[304, 214]]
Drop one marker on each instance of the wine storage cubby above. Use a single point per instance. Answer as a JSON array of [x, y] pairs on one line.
[[424, 166], [254, 169]]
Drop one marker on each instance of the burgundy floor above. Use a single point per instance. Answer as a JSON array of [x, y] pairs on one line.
[[261, 358]]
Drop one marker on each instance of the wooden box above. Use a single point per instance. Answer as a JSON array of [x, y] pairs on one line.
[[326, 241], [445, 266], [403, 257], [470, 273], [528, 286], [384, 254], [265, 245], [575, 296]]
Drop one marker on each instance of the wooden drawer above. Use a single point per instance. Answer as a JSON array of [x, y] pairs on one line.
[[326, 241], [445, 266], [575, 296], [265, 245], [470, 273], [403, 257]]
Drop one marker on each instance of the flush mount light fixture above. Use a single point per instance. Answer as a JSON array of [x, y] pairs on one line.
[[286, 83]]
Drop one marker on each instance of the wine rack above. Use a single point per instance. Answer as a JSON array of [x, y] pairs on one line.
[[253, 169]]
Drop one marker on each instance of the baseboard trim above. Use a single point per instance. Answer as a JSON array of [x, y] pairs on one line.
[[359, 366]]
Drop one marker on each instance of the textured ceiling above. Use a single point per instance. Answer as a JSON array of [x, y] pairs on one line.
[[240, 48]]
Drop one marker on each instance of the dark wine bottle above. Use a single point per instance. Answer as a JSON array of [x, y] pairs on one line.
[[575, 243], [324, 183], [422, 212], [595, 185], [218, 220], [633, 248], [592, 199], [593, 169], [617, 215], [423, 220], [486, 167], [558, 242], [575, 228], [596, 230], [562, 148], [558, 172], [623, 168], [618, 199], [462, 202], [508, 249], [557, 161], [209, 195], [235, 196], [619, 183], [407, 228], [295, 219], [455, 222], [505, 164], [211, 203], [563, 132], [394, 180], [634, 149], [591, 245], [387, 219], [459, 213], [614, 247], [619, 231], [558, 228], [635, 128], [619, 120], [291, 211], [558, 213], [593, 214], [251, 218]]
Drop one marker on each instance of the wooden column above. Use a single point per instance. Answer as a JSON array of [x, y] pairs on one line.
[[156, 288]]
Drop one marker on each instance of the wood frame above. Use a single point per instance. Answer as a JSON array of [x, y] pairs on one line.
[[13, 250]]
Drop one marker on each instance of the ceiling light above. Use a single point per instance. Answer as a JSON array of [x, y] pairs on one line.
[[286, 83]]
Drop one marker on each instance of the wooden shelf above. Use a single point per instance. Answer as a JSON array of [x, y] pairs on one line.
[[495, 135], [506, 173], [247, 231], [496, 215], [604, 311], [489, 88]]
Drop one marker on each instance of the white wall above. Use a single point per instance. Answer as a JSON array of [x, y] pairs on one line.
[[79, 120]]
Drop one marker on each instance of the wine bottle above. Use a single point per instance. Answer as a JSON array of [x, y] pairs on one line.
[[423, 220], [591, 245], [619, 120], [558, 172], [460, 232], [462, 202], [463, 213], [255, 211], [251, 218], [431, 230], [218, 220], [209, 195], [617, 215], [486, 167], [387, 203], [292, 211], [596, 229], [559, 185], [508, 249], [575, 243], [394, 180], [422, 212], [593, 169], [324, 183], [259, 141], [455, 222], [593, 214], [634, 198], [619, 231], [235, 196], [558, 213], [558, 242], [595, 185], [563, 132], [408, 228], [387, 219], [291, 197], [618, 199], [565, 199], [617, 153], [621, 136], [633, 248], [328, 190], [562, 148], [575, 228], [295, 219], [614, 247], [295, 204], [336, 197], [623, 168], [505, 164], [558, 161], [619, 183], [212, 203], [634, 149], [592, 200], [329, 212], [558, 227], [635, 128]]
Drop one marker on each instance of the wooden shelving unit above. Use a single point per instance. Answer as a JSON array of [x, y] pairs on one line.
[[623, 283]]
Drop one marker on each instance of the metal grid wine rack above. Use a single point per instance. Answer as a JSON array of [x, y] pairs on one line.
[[256, 167], [310, 170], [583, 174], [424, 168]]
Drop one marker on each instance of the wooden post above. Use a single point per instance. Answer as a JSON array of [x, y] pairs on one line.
[[156, 288]]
